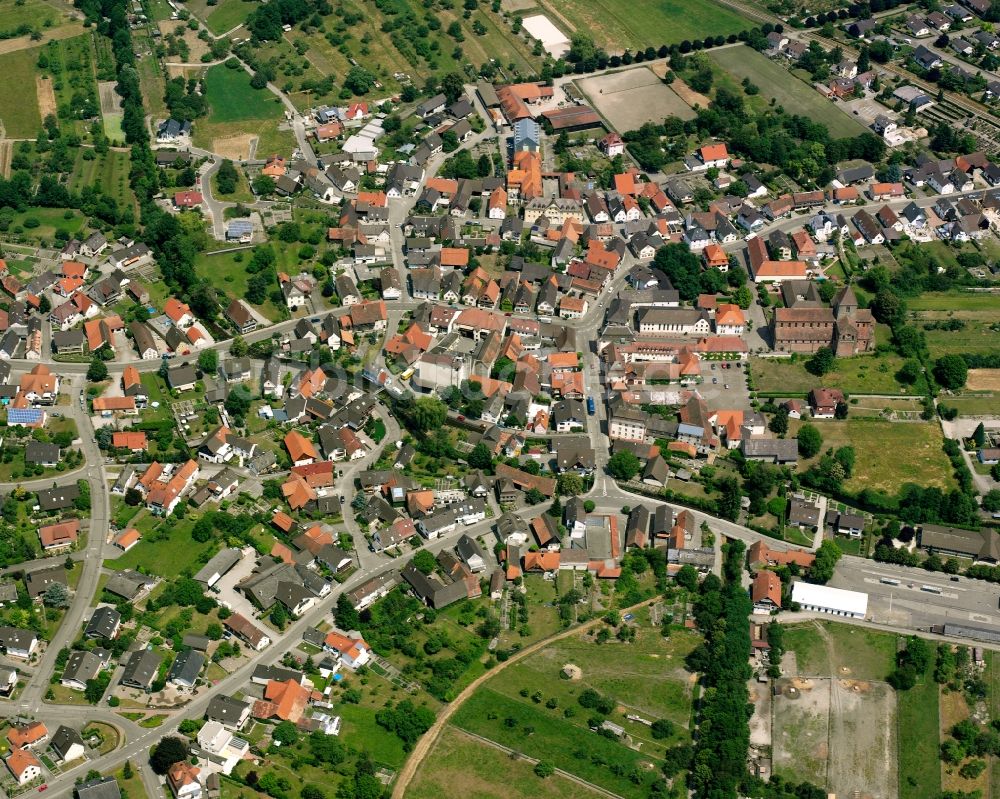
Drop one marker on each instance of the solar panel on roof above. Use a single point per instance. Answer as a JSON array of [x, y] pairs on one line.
[[23, 415]]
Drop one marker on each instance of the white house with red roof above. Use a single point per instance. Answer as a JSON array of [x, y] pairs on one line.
[[352, 650], [714, 155], [612, 145]]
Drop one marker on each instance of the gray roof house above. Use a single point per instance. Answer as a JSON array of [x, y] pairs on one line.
[[186, 668], [141, 669]]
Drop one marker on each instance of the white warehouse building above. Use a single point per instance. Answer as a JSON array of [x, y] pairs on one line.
[[835, 601]]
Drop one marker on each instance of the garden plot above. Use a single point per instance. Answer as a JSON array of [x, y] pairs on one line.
[[837, 733], [630, 98]]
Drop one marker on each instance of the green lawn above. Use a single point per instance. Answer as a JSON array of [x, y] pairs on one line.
[[239, 109], [18, 98], [868, 654], [551, 738], [166, 549], [49, 221], [227, 272], [919, 737], [242, 193], [862, 374], [794, 95], [887, 454], [227, 15], [648, 678], [618, 24], [981, 303], [13, 14], [979, 404], [233, 99], [463, 766]]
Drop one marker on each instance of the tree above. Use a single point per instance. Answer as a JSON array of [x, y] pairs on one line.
[[991, 500], [56, 596], [662, 728], [263, 185], [979, 436], [97, 371], [285, 733], [544, 769], [168, 751], [623, 465], [238, 347], [821, 362], [810, 440], [424, 561], [208, 361], [687, 577], [452, 86], [570, 484], [951, 371], [779, 422], [826, 560], [359, 80], [346, 615], [279, 616], [480, 457], [227, 178], [533, 496]]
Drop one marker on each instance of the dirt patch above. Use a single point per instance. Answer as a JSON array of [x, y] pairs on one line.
[[6, 153], [689, 95], [46, 96], [111, 102], [983, 380], [235, 148], [840, 734]]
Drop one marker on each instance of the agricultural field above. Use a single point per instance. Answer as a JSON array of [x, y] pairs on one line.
[[862, 374], [109, 171], [888, 454], [460, 765], [617, 25], [19, 112], [795, 96], [630, 98], [239, 110]]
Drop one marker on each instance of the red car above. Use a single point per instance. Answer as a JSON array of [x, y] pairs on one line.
[[42, 788]]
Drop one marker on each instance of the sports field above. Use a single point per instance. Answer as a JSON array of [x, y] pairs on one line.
[[620, 24], [18, 104], [222, 17], [794, 95]]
